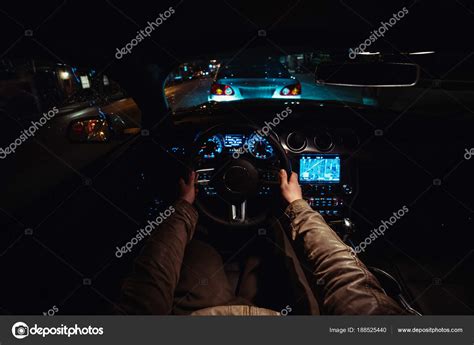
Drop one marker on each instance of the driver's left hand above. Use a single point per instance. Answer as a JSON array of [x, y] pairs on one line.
[[187, 189]]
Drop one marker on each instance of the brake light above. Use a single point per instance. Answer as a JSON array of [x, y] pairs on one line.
[[221, 90], [291, 90]]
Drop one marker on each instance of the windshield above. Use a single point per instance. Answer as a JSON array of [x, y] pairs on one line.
[[288, 77], [292, 77]]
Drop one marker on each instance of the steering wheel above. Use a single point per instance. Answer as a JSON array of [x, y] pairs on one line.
[[235, 172]]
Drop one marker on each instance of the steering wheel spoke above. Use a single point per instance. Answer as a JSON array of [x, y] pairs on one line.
[[204, 176], [238, 212]]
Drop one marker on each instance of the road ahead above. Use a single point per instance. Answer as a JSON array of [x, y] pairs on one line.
[[420, 97], [194, 92]]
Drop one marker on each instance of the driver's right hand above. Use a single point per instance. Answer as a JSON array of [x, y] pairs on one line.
[[290, 189]]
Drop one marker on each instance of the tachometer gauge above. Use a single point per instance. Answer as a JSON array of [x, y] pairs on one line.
[[211, 147], [260, 147]]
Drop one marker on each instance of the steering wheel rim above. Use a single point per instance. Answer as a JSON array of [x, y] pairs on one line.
[[244, 170]]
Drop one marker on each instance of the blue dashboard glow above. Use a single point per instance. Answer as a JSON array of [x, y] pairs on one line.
[[233, 140], [253, 144], [211, 148], [320, 168], [260, 147]]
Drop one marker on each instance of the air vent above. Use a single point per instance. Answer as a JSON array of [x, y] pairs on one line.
[[296, 141], [323, 141]]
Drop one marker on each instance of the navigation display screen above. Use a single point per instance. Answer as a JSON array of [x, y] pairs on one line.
[[320, 168]]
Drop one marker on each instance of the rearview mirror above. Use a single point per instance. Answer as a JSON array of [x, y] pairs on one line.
[[378, 74]]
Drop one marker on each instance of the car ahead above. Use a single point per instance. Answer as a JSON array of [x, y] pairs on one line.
[[254, 80]]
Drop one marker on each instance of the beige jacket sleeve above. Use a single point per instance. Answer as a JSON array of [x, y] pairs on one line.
[[343, 281]]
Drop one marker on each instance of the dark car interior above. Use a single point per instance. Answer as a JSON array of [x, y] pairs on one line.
[[58, 244]]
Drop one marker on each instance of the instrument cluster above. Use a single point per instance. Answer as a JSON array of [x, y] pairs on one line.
[[236, 144]]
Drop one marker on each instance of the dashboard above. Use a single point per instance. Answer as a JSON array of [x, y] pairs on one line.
[[319, 158], [321, 142]]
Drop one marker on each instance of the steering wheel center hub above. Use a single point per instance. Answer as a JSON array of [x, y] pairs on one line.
[[236, 179]]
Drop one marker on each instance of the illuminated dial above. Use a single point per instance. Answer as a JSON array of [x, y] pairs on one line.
[[260, 147], [211, 147]]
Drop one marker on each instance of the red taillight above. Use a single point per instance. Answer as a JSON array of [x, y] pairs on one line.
[[221, 90], [291, 90]]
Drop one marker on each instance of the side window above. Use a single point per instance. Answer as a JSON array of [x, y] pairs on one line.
[[60, 105], [27, 90]]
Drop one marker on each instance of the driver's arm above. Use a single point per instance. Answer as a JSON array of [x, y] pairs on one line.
[[150, 287], [343, 281]]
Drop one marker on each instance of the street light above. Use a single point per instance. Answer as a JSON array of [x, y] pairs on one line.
[[64, 75]]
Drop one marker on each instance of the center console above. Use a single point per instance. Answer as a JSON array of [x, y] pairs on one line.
[[325, 186]]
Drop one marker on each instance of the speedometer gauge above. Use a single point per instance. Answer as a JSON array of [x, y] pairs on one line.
[[211, 147], [260, 147]]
